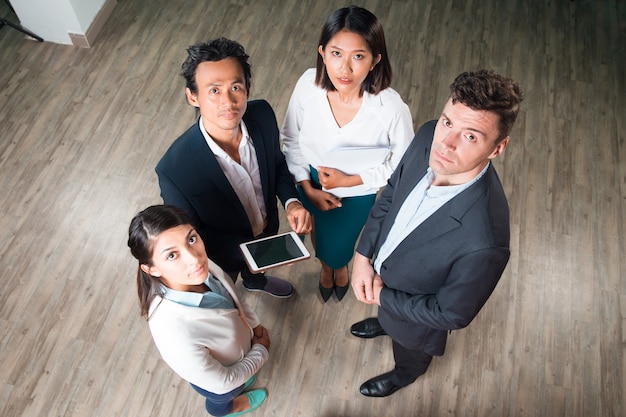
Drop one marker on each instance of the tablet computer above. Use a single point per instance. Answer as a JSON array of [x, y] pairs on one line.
[[270, 252]]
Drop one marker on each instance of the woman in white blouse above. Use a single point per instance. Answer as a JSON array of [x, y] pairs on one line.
[[344, 133], [204, 332]]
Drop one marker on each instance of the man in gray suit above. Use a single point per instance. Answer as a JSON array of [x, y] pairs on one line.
[[437, 239]]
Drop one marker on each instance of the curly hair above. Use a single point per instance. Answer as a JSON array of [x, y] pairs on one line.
[[489, 91]]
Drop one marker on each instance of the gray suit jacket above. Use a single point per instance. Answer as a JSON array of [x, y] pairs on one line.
[[442, 274], [191, 178]]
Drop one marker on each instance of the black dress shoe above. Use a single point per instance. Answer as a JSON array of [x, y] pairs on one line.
[[341, 291], [326, 292], [367, 328], [379, 386]]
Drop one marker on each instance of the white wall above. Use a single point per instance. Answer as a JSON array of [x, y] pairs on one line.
[[85, 11], [54, 19]]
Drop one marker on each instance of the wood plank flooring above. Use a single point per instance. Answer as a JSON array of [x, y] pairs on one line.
[[82, 129]]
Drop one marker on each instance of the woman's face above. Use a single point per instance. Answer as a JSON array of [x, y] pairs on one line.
[[348, 60], [179, 258]]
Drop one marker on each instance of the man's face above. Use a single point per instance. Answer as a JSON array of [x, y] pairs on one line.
[[464, 142], [222, 96]]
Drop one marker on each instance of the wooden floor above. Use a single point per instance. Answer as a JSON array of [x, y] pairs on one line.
[[82, 129]]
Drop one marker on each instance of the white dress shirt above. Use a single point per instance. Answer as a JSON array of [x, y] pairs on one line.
[[312, 137], [244, 178]]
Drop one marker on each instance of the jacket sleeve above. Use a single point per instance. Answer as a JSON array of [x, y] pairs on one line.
[[200, 368], [285, 185], [172, 195], [470, 281], [182, 343], [227, 378], [251, 316]]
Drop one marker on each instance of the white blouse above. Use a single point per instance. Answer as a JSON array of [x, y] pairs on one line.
[[370, 145]]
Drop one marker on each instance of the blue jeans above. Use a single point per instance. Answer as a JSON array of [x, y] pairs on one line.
[[219, 404]]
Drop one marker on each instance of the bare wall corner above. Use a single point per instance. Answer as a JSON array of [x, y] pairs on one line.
[[87, 39]]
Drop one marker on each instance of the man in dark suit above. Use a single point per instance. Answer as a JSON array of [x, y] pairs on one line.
[[437, 239], [227, 170]]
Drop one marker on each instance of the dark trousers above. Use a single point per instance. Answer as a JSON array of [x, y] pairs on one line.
[[410, 364], [250, 279]]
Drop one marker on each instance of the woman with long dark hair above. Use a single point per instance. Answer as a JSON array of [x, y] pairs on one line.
[[203, 330]]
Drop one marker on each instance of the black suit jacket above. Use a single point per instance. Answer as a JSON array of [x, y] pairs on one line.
[[190, 177], [441, 275]]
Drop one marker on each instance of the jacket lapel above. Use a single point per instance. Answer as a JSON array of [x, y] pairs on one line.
[[261, 154], [406, 182], [218, 273], [447, 218], [209, 169]]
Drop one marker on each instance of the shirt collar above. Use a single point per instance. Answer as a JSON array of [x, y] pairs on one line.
[[191, 299], [436, 191], [215, 148]]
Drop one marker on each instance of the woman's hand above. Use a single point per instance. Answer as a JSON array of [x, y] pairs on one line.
[[323, 200], [261, 336], [333, 178]]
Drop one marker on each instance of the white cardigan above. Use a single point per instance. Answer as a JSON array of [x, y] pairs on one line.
[[210, 348], [311, 136]]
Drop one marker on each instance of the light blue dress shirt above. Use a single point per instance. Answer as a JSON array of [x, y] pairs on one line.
[[217, 297], [420, 204]]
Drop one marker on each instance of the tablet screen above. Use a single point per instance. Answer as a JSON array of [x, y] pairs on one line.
[[274, 251]]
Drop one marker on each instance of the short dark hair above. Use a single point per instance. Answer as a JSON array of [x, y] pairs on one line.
[[142, 233], [213, 51], [362, 22], [489, 91]]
